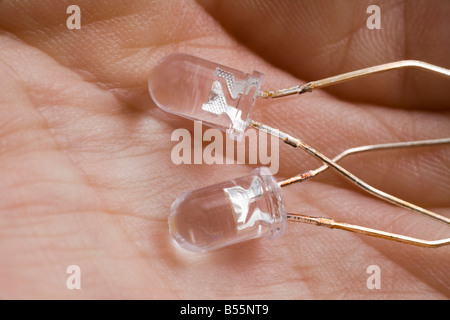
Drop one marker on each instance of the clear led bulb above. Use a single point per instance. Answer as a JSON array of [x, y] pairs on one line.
[[229, 212], [198, 89]]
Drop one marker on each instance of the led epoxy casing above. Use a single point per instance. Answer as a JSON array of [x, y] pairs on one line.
[[199, 89], [229, 212]]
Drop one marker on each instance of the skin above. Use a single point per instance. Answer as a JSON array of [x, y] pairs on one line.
[[86, 173]]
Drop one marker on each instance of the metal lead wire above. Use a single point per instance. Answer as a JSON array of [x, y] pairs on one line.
[[308, 87], [332, 224]]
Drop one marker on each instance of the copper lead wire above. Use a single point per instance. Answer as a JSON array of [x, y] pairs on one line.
[[332, 224], [308, 87]]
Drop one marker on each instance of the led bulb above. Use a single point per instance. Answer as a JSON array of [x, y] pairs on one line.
[[198, 89], [229, 212]]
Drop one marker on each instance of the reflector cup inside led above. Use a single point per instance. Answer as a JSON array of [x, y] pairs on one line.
[[229, 212], [202, 90]]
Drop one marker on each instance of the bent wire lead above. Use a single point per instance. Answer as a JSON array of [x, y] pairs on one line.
[[252, 206]]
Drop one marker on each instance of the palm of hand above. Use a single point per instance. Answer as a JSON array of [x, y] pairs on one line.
[[86, 175]]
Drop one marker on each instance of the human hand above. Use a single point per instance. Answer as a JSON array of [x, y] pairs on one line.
[[85, 167]]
